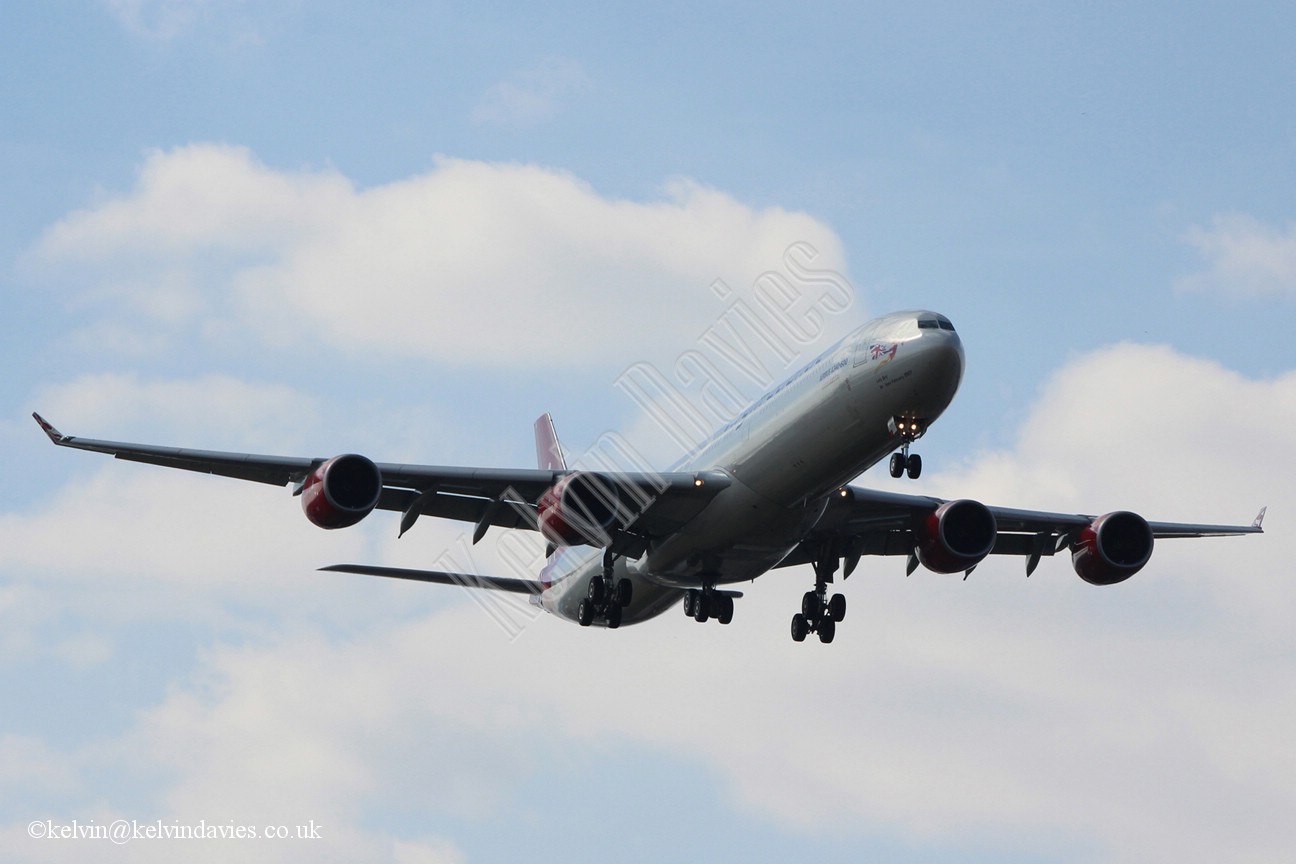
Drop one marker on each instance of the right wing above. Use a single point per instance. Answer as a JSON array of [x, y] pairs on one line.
[[655, 505]]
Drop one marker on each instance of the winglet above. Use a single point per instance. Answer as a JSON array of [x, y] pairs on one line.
[[1259, 520], [54, 435]]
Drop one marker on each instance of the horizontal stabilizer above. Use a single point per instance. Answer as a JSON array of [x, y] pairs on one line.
[[466, 580]]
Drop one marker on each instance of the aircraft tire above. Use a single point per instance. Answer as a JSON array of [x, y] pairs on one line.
[[897, 465], [597, 590], [827, 629], [624, 592], [613, 616], [811, 606], [914, 467], [726, 609], [585, 613], [800, 627], [837, 607]]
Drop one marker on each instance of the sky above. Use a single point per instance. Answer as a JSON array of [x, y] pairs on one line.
[[408, 229]]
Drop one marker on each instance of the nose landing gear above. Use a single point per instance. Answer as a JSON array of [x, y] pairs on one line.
[[905, 462], [909, 430]]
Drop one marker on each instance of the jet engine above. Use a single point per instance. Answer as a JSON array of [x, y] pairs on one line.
[[342, 491], [955, 536], [1113, 548], [579, 508]]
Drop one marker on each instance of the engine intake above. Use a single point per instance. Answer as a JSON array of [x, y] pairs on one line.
[[1113, 548], [955, 536], [342, 491], [579, 508]]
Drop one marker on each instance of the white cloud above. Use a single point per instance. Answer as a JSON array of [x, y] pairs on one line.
[[498, 264], [166, 21], [1042, 716], [211, 411], [1135, 722], [1243, 256], [532, 96], [161, 20]]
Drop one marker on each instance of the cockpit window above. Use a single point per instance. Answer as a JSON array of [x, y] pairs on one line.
[[940, 322]]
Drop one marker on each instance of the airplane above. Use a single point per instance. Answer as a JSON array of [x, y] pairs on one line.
[[771, 489]]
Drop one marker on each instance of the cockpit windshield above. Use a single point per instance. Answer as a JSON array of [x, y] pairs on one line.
[[936, 322]]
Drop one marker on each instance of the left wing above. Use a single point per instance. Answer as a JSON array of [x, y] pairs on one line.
[[954, 536], [638, 505]]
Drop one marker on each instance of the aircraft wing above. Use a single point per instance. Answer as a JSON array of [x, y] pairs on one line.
[[656, 504], [861, 521]]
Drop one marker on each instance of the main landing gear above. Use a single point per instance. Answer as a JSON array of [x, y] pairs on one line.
[[606, 598], [909, 430], [819, 612], [702, 604]]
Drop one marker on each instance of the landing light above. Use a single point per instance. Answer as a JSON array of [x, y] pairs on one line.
[[698, 481]]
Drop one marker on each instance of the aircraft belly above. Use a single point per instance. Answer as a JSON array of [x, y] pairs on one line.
[[649, 598], [740, 535]]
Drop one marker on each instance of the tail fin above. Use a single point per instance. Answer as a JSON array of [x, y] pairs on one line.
[[548, 452]]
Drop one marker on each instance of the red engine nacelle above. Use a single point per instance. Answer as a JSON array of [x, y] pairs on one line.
[[955, 536], [342, 491], [579, 508], [1113, 548]]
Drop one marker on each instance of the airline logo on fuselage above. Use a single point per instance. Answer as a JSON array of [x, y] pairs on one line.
[[880, 350]]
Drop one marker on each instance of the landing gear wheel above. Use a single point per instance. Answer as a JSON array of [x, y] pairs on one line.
[[624, 592], [690, 602], [585, 613], [827, 629], [613, 616], [837, 607], [914, 467], [725, 613], [800, 627], [811, 605], [897, 465], [597, 590], [702, 610]]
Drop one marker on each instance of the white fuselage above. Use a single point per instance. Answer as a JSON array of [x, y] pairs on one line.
[[823, 426]]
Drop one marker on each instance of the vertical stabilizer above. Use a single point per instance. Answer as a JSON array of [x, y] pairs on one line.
[[548, 452]]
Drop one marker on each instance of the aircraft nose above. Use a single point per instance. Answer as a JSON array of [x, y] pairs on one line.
[[946, 350], [945, 355], [938, 358]]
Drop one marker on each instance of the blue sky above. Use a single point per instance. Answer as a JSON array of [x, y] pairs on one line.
[[407, 230]]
